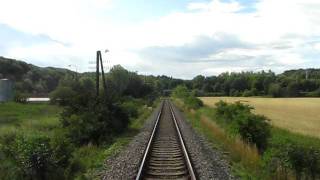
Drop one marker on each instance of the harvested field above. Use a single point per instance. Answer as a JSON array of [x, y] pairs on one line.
[[301, 115]]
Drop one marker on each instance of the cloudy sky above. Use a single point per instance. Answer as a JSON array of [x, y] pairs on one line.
[[180, 38]]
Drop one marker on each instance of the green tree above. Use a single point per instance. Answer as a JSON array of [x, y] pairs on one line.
[[118, 80], [181, 92], [62, 95], [274, 90]]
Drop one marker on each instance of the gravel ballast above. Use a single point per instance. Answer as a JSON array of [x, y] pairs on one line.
[[125, 165], [207, 162]]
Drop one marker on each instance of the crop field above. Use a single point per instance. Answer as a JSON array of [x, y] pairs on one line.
[[301, 115]]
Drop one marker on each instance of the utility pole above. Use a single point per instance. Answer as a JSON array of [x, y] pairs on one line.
[[100, 63], [97, 73]]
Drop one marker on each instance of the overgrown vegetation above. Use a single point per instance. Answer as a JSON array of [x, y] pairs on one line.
[[253, 129], [189, 99], [256, 149], [30, 145], [88, 129]]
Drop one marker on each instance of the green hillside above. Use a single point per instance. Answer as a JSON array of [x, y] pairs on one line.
[[31, 79]]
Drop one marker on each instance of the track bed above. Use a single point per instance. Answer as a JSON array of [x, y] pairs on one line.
[[166, 156]]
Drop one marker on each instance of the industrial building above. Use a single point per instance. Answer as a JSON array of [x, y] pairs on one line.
[[6, 90]]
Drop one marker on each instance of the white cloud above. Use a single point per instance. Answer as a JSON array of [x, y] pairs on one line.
[[278, 31], [216, 6]]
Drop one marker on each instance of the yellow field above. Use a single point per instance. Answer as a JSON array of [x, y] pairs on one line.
[[301, 115]]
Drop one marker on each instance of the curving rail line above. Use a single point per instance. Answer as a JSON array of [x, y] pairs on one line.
[[166, 156]]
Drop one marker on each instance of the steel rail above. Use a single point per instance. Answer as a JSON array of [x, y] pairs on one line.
[[189, 165], [149, 144], [183, 147]]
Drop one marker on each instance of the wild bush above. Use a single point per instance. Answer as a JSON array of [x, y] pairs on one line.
[[33, 155], [181, 91], [189, 98], [62, 149], [37, 156], [287, 157], [62, 95], [96, 123], [228, 112], [193, 102], [131, 108], [254, 129]]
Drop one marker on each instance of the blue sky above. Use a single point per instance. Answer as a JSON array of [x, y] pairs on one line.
[[180, 38]]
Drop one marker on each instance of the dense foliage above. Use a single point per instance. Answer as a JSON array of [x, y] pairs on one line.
[[35, 156], [252, 128], [291, 83], [91, 119], [283, 154], [189, 99], [289, 152], [87, 120]]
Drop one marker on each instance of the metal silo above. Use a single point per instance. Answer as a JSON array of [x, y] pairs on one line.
[[6, 90]]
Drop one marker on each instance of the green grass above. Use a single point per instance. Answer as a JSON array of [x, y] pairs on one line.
[[28, 118], [139, 122], [279, 134], [88, 161]]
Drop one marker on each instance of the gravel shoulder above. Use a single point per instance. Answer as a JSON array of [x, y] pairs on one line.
[[208, 163]]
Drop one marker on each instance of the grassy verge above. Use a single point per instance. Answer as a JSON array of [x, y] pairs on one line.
[[25, 120], [42, 120], [28, 118], [286, 157]]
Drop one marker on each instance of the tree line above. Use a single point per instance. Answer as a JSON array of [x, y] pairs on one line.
[[37, 81], [293, 83]]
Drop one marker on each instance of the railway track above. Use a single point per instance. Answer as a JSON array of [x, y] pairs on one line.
[[166, 156]]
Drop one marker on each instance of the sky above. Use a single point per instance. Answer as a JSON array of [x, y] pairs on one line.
[[179, 38]]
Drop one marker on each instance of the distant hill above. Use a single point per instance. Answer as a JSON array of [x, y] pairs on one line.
[[31, 79]]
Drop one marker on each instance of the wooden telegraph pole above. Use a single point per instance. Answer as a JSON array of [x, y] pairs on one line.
[[100, 63]]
